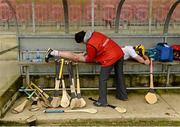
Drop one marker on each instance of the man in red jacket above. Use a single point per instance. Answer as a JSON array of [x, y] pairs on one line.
[[104, 51]]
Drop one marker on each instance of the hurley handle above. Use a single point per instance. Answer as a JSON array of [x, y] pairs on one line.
[[77, 78], [57, 66], [53, 111], [63, 83], [151, 74], [70, 70], [61, 68], [71, 78], [40, 90]]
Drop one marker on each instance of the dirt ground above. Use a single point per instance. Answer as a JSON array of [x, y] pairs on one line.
[[165, 112]]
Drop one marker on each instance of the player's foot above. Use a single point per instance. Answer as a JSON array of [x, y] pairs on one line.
[[98, 104], [48, 55]]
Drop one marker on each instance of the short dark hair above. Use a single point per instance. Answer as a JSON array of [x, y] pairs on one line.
[[79, 37]]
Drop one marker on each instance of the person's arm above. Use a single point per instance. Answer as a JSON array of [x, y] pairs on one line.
[[91, 53], [139, 59], [135, 56], [144, 59]]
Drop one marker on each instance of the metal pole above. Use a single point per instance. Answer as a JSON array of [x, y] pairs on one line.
[[118, 12], [14, 13], [150, 16], [66, 16], [168, 18], [33, 16], [92, 15], [168, 75], [112, 88]]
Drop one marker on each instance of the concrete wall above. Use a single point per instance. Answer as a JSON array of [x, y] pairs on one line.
[[66, 42], [9, 72]]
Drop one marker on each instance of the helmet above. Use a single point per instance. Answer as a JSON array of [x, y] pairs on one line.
[[140, 50]]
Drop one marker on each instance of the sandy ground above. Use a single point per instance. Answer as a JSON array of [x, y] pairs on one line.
[[166, 108]]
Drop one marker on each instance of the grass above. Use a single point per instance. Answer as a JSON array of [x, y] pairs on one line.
[[105, 122], [120, 122]]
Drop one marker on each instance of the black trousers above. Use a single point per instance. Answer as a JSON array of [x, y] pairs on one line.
[[119, 76]]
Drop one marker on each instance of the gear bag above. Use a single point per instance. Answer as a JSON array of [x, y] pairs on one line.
[[176, 52], [153, 53], [165, 52]]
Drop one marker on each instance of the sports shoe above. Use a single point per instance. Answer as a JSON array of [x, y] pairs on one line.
[[48, 55], [98, 104]]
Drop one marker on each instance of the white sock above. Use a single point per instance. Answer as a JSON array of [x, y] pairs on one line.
[[55, 53]]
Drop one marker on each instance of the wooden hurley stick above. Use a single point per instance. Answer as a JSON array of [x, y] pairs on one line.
[[90, 110], [34, 99], [23, 89], [21, 107], [82, 102], [151, 97], [46, 98], [117, 108], [56, 99], [65, 100], [40, 97], [41, 91], [74, 100]]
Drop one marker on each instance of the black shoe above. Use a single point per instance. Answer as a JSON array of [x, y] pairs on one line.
[[48, 55], [98, 104]]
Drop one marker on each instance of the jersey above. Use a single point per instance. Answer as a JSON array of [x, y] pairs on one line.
[[129, 52]]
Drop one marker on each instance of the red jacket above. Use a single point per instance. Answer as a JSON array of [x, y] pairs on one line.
[[107, 51]]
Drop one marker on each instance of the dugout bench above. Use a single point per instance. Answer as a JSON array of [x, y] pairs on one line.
[[66, 43], [165, 69]]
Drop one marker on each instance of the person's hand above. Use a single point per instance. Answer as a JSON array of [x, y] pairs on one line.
[[147, 62], [83, 54]]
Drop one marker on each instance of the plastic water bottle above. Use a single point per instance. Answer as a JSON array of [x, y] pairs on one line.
[[26, 55], [38, 56]]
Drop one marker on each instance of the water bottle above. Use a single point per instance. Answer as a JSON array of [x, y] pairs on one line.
[[38, 56], [26, 55]]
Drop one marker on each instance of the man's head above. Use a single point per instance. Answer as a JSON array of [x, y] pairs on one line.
[[140, 50], [79, 37]]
